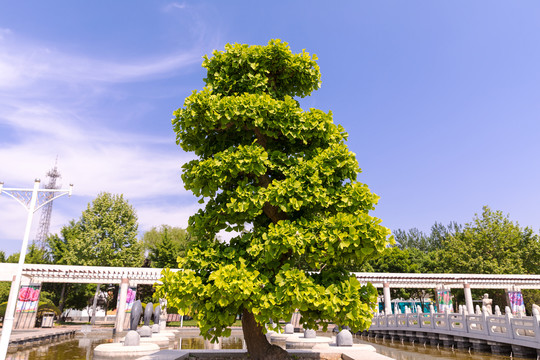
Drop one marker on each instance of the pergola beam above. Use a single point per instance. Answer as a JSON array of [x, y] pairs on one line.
[[114, 275]]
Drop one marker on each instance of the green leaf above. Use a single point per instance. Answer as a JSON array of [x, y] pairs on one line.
[[284, 178]]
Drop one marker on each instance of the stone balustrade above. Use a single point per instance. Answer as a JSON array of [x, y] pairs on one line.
[[522, 334]]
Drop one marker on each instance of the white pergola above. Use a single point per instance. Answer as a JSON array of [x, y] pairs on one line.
[[125, 277], [38, 273], [448, 281]]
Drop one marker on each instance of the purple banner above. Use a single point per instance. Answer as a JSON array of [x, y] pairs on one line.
[[515, 299]]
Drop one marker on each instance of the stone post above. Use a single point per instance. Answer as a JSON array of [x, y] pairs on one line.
[[508, 318], [468, 298], [387, 299], [536, 326], [121, 311]]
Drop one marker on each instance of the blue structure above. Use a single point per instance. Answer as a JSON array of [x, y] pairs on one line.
[[409, 303]]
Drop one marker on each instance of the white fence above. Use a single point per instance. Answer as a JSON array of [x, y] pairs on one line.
[[522, 331]]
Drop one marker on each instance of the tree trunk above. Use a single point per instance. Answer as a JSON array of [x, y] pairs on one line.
[[62, 299], [258, 346]]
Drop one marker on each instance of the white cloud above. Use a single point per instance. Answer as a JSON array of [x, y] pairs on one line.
[[94, 158], [45, 98], [22, 64], [165, 214], [173, 6], [4, 32]]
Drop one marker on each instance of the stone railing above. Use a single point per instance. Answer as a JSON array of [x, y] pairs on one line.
[[507, 329]]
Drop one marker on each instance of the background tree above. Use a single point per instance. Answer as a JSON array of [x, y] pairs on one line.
[[491, 244], [285, 172], [34, 255], [165, 244], [395, 260], [105, 235], [4, 286], [416, 239], [4, 291]]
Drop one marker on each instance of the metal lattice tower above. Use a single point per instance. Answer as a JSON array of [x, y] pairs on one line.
[[45, 220]]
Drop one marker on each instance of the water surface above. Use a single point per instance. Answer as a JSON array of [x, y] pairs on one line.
[[81, 347], [408, 351]]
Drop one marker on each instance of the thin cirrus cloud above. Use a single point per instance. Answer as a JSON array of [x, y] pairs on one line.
[[174, 6], [50, 107], [39, 119], [94, 157], [22, 64]]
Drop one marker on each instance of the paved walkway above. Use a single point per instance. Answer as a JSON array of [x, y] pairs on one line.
[[358, 353], [31, 337], [19, 335]]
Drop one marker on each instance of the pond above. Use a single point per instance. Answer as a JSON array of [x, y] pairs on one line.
[[81, 347], [408, 351]]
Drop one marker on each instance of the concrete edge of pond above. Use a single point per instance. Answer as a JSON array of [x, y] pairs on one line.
[[119, 351], [32, 337], [355, 352]]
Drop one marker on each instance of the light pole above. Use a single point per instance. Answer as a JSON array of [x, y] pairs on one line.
[[32, 200]]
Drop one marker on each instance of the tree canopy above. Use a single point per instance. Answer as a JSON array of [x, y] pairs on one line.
[[490, 244], [165, 244], [285, 179], [105, 235]]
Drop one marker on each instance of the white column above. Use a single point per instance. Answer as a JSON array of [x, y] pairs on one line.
[[121, 311], [15, 284], [387, 299], [94, 305], [468, 298]]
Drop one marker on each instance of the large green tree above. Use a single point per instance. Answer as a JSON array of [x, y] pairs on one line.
[[104, 235], [285, 180], [490, 244]]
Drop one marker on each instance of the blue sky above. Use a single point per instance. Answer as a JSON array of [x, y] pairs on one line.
[[440, 99]]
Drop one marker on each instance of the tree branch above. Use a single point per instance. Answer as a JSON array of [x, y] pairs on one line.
[[273, 212]]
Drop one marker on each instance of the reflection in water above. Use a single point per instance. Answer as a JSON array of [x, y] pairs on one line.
[[407, 351], [81, 347], [77, 348], [232, 342], [192, 343]]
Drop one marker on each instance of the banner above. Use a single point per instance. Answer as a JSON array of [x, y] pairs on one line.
[[130, 298], [515, 299], [28, 299], [444, 301]]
